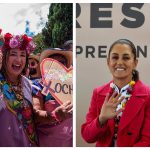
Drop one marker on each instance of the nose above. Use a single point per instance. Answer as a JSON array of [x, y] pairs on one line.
[[18, 59], [119, 61]]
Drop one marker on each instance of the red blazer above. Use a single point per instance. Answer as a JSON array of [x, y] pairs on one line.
[[134, 126]]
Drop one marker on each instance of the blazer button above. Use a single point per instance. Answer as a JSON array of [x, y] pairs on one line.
[[129, 133]]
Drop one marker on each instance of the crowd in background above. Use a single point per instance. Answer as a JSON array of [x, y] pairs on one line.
[[29, 118]]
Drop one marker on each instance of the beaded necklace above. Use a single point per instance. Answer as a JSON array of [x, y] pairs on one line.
[[18, 105], [127, 93]]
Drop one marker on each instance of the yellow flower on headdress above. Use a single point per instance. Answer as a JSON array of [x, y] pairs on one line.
[[132, 83]]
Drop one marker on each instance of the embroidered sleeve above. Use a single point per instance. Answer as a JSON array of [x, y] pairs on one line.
[[36, 87]]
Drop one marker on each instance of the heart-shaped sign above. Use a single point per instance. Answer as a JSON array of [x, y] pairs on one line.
[[57, 80]]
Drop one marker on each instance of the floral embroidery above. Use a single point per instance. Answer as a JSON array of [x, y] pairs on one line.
[[127, 93], [18, 105]]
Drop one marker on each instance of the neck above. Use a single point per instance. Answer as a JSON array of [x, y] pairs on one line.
[[13, 80], [122, 82]]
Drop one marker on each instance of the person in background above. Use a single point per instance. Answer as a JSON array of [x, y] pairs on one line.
[[54, 121], [68, 45], [34, 67], [16, 110], [119, 113]]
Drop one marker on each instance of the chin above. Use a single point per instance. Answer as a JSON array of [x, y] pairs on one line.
[[17, 73], [121, 77]]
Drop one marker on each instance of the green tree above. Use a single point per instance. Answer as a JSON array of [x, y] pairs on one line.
[[38, 40], [59, 27]]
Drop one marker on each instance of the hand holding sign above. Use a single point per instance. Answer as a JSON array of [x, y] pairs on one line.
[[57, 80]]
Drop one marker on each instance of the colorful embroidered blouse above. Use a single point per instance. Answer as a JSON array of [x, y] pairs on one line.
[[16, 115]]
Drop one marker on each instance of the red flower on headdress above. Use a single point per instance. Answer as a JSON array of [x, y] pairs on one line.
[[26, 39], [22, 42], [7, 36]]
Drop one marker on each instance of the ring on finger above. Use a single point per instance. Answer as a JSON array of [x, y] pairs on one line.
[[114, 100]]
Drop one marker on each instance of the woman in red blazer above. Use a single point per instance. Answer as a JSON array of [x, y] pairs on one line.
[[119, 114]]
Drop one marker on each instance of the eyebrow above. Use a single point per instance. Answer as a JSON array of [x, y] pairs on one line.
[[126, 54], [16, 52], [13, 52], [23, 52]]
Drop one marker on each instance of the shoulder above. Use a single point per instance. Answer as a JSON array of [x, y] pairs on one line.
[[102, 90], [26, 81], [27, 90], [142, 88]]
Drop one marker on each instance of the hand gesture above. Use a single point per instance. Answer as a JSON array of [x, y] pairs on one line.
[[108, 110], [63, 112]]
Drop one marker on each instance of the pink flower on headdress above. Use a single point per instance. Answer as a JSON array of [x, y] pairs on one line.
[[17, 37], [22, 42], [13, 43]]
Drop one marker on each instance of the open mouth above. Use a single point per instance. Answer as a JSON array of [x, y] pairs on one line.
[[16, 67], [120, 69]]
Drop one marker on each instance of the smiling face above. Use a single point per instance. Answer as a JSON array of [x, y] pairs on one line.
[[15, 62], [121, 62]]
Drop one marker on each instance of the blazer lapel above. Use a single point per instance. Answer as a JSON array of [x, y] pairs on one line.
[[132, 108]]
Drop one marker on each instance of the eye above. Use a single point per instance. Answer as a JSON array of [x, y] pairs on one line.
[[23, 55], [13, 54], [126, 58], [114, 57]]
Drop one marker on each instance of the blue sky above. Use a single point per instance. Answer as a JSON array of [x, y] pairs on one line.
[[14, 16]]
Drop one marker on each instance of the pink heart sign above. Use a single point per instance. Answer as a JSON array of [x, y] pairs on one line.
[[57, 80]]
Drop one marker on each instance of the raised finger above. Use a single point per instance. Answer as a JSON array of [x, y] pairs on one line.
[[113, 95], [69, 107], [67, 103], [106, 98], [117, 97], [70, 111], [120, 100]]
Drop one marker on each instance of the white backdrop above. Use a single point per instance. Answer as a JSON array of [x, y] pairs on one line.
[[93, 72]]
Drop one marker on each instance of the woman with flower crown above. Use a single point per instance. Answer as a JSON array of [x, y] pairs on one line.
[[119, 114], [17, 124]]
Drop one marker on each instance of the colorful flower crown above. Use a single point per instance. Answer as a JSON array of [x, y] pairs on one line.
[[22, 42]]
